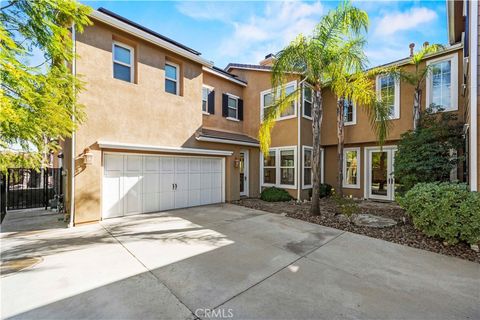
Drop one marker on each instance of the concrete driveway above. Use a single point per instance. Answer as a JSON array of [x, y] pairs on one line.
[[226, 261]]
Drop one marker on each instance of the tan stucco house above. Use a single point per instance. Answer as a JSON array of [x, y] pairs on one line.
[[167, 129]]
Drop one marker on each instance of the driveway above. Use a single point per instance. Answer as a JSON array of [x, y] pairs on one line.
[[226, 261]]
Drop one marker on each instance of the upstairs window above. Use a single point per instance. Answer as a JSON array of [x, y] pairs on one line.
[[122, 62], [442, 83], [232, 107], [267, 99], [307, 101], [172, 78], [349, 113], [388, 91], [205, 92]]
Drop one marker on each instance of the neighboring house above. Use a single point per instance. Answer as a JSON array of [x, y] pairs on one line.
[[166, 129], [463, 27]]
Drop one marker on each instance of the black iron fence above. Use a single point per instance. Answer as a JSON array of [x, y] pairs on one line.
[[28, 188]]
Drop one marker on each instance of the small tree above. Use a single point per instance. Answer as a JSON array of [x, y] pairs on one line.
[[429, 154], [38, 105]]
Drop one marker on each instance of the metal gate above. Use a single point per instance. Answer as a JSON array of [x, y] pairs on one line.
[[28, 188]]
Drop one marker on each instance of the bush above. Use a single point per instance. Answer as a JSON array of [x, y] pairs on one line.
[[275, 194], [325, 190], [346, 205], [447, 210]]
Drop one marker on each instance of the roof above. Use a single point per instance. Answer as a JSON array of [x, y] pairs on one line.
[[225, 137], [118, 22], [248, 67], [153, 33], [226, 75]]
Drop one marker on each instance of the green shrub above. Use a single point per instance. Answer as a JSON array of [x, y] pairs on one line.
[[346, 205], [447, 210], [325, 190], [275, 194]]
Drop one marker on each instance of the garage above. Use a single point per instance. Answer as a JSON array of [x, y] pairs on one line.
[[136, 183]]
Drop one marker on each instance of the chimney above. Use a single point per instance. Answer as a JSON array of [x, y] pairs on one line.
[[412, 45], [426, 44], [268, 61]]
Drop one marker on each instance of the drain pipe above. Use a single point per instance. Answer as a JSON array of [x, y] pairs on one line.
[[474, 166], [72, 160]]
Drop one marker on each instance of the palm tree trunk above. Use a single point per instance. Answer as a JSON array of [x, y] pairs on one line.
[[317, 116], [416, 107], [340, 145]]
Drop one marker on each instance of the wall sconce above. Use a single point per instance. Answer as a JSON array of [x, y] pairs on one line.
[[87, 157], [236, 163]]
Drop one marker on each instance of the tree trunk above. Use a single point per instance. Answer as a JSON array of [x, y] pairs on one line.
[[340, 145], [317, 116], [416, 107]]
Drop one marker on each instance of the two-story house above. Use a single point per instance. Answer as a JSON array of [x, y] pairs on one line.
[[166, 129]]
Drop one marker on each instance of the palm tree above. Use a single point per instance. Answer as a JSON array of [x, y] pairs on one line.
[[417, 77], [312, 59]]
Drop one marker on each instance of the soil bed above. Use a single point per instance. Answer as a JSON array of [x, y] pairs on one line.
[[402, 233]]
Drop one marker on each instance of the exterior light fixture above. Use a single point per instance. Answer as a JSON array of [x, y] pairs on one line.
[[87, 157], [236, 163]]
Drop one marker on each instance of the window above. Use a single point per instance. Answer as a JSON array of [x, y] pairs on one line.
[[269, 170], [122, 62], [267, 99], [171, 78], [279, 168], [205, 92], [351, 168], [388, 91], [232, 107], [307, 166], [442, 83], [307, 101], [349, 112]]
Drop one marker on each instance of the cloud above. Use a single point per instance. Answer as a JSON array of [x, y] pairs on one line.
[[401, 21], [271, 30]]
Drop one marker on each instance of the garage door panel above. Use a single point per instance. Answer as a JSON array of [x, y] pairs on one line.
[[194, 198], [181, 164], [167, 164], [195, 181], [217, 165], [216, 180], [152, 164], [206, 196], [151, 202], [113, 163], [166, 182], [132, 188], [216, 195], [206, 165], [112, 201], [151, 183], [195, 164], [133, 163], [206, 180]]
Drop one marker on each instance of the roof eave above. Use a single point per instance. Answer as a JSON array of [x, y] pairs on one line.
[[111, 21], [209, 70]]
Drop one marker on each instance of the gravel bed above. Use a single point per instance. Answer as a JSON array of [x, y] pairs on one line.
[[402, 233]]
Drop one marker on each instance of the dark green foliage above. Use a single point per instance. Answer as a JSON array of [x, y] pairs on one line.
[[275, 194], [325, 190], [425, 155], [447, 210]]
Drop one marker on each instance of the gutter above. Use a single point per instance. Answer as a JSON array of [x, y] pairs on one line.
[[212, 71], [72, 160], [473, 96], [165, 149], [217, 140]]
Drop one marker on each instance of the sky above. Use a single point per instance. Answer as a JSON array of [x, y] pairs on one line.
[[246, 31]]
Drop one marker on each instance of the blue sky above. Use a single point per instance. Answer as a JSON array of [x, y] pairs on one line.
[[245, 31]]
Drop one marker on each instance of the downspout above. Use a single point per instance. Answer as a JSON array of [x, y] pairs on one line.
[[72, 160], [473, 96]]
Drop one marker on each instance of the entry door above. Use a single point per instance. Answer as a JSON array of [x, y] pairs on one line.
[[380, 180], [243, 168]]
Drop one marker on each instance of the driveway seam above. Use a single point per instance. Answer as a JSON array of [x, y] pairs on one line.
[[153, 274], [282, 268]]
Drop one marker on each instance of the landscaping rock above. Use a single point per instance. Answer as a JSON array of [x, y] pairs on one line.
[[373, 221]]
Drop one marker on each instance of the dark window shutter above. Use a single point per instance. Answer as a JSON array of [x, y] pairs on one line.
[[224, 105], [240, 109], [211, 102]]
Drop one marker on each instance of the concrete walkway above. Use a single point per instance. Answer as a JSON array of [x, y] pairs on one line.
[[226, 261]]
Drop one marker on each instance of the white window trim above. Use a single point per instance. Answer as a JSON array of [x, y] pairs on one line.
[[322, 160], [132, 62], [277, 168], [303, 101], [344, 168], [211, 89], [453, 85], [396, 103], [294, 115], [236, 98], [177, 81], [354, 116]]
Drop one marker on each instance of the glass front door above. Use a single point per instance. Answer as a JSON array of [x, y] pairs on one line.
[[381, 183]]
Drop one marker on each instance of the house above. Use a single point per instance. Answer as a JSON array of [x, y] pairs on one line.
[[167, 129], [463, 27]]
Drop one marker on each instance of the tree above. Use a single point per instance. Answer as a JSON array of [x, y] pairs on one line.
[[311, 58], [429, 153], [417, 77], [38, 105]]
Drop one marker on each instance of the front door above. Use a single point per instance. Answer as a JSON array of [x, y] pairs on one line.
[[380, 180], [243, 168]]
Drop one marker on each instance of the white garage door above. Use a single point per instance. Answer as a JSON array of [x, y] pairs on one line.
[[135, 184]]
